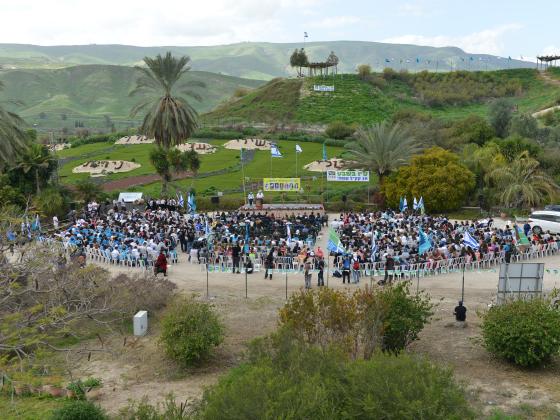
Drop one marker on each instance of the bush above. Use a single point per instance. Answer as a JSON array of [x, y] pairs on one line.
[[285, 380], [190, 329], [143, 410], [526, 333], [79, 410], [368, 320], [437, 175], [364, 70], [338, 130]]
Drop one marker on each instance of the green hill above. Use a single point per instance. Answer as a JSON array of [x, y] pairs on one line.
[[87, 93], [259, 60], [445, 95]]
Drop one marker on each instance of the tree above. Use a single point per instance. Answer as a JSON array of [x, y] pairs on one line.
[[513, 146], [525, 125], [12, 136], [473, 129], [36, 159], [168, 161], [364, 70], [299, 59], [169, 118], [382, 148], [521, 183], [500, 116], [87, 191], [437, 175]]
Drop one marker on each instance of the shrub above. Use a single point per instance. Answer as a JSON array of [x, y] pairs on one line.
[[143, 410], [284, 380], [338, 130], [364, 70], [190, 329], [370, 319], [79, 410], [526, 333], [437, 175]]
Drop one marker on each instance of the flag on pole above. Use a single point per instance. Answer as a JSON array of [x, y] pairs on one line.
[[298, 148], [421, 205], [414, 204], [425, 243], [373, 249], [191, 204], [246, 246], [288, 233], [274, 152], [334, 244], [325, 152], [403, 205], [305, 35], [468, 240], [36, 223], [181, 201], [520, 239]]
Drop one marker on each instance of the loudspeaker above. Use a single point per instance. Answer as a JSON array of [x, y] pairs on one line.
[[215, 200]]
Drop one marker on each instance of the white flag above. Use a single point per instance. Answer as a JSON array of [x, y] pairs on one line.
[[298, 148]]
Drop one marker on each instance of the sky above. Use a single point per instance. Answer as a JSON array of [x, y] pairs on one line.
[[507, 28]]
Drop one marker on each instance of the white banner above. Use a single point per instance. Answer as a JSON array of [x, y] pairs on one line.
[[323, 88], [129, 197], [348, 176]]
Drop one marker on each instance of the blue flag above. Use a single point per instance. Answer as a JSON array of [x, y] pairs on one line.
[[425, 243], [274, 152], [191, 204], [468, 240]]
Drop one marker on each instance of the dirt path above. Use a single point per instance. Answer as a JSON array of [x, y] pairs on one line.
[[139, 368], [545, 76], [132, 181]]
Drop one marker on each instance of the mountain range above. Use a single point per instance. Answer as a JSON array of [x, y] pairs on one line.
[[259, 60]]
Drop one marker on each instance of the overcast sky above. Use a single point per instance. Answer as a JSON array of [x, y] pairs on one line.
[[515, 27]]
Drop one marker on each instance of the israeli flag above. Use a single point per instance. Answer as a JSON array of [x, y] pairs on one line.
[[425, 243], [288, 233], [191, 204], [181, 200], [373, 250], [404, 205], [414, 204], [298, 149], [274, 152], [421, 204], [468, 240]]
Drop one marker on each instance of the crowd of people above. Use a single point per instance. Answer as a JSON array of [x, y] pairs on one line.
[[156, 234]]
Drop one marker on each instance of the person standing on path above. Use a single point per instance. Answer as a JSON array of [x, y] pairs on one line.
[[235, 255], [321, 267], [345, 269], [307, 272], [269, 264]]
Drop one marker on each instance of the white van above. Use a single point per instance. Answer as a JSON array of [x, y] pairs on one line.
[[545, 220]]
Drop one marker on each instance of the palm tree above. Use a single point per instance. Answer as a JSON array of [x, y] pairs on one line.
[[382, 148], [169, 118], [35, 159], [522, 183], [169, 161], [12, 137]]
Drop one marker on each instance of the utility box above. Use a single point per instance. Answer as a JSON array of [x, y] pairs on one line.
[[140, 322]]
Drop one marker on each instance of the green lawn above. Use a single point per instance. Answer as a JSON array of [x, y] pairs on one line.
[[28, 408], [223, 159]]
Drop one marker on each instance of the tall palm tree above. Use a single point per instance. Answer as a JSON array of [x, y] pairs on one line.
[[12, 136], [35, 158], [382, 148], [521, 183], [169, 118]]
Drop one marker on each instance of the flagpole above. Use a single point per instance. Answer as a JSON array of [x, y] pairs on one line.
[[243, 175], [296, 163]]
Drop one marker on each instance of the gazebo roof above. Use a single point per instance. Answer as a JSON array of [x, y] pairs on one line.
[[548, 58]]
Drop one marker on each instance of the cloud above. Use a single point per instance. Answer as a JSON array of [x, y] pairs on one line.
[[488, 41], [335, 22], [414, 9], [550, 50], [143, 22]]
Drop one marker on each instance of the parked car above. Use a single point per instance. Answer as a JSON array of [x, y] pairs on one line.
[[545, 220]]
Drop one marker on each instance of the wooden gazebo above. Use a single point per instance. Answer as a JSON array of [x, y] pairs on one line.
[[545, 61]]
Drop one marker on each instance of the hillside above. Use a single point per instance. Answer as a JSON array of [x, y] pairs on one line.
[[446, 95], [258, 60], [90, 92]]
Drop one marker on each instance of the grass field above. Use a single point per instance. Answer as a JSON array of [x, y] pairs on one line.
[[223, 159], [357, 101], [29, 408]]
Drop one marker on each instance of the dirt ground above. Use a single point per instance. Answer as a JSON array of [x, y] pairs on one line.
[[138, 368]]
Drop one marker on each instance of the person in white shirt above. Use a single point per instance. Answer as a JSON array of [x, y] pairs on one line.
[[55, 222], [260, 195], [115, 254], [251, 198]]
